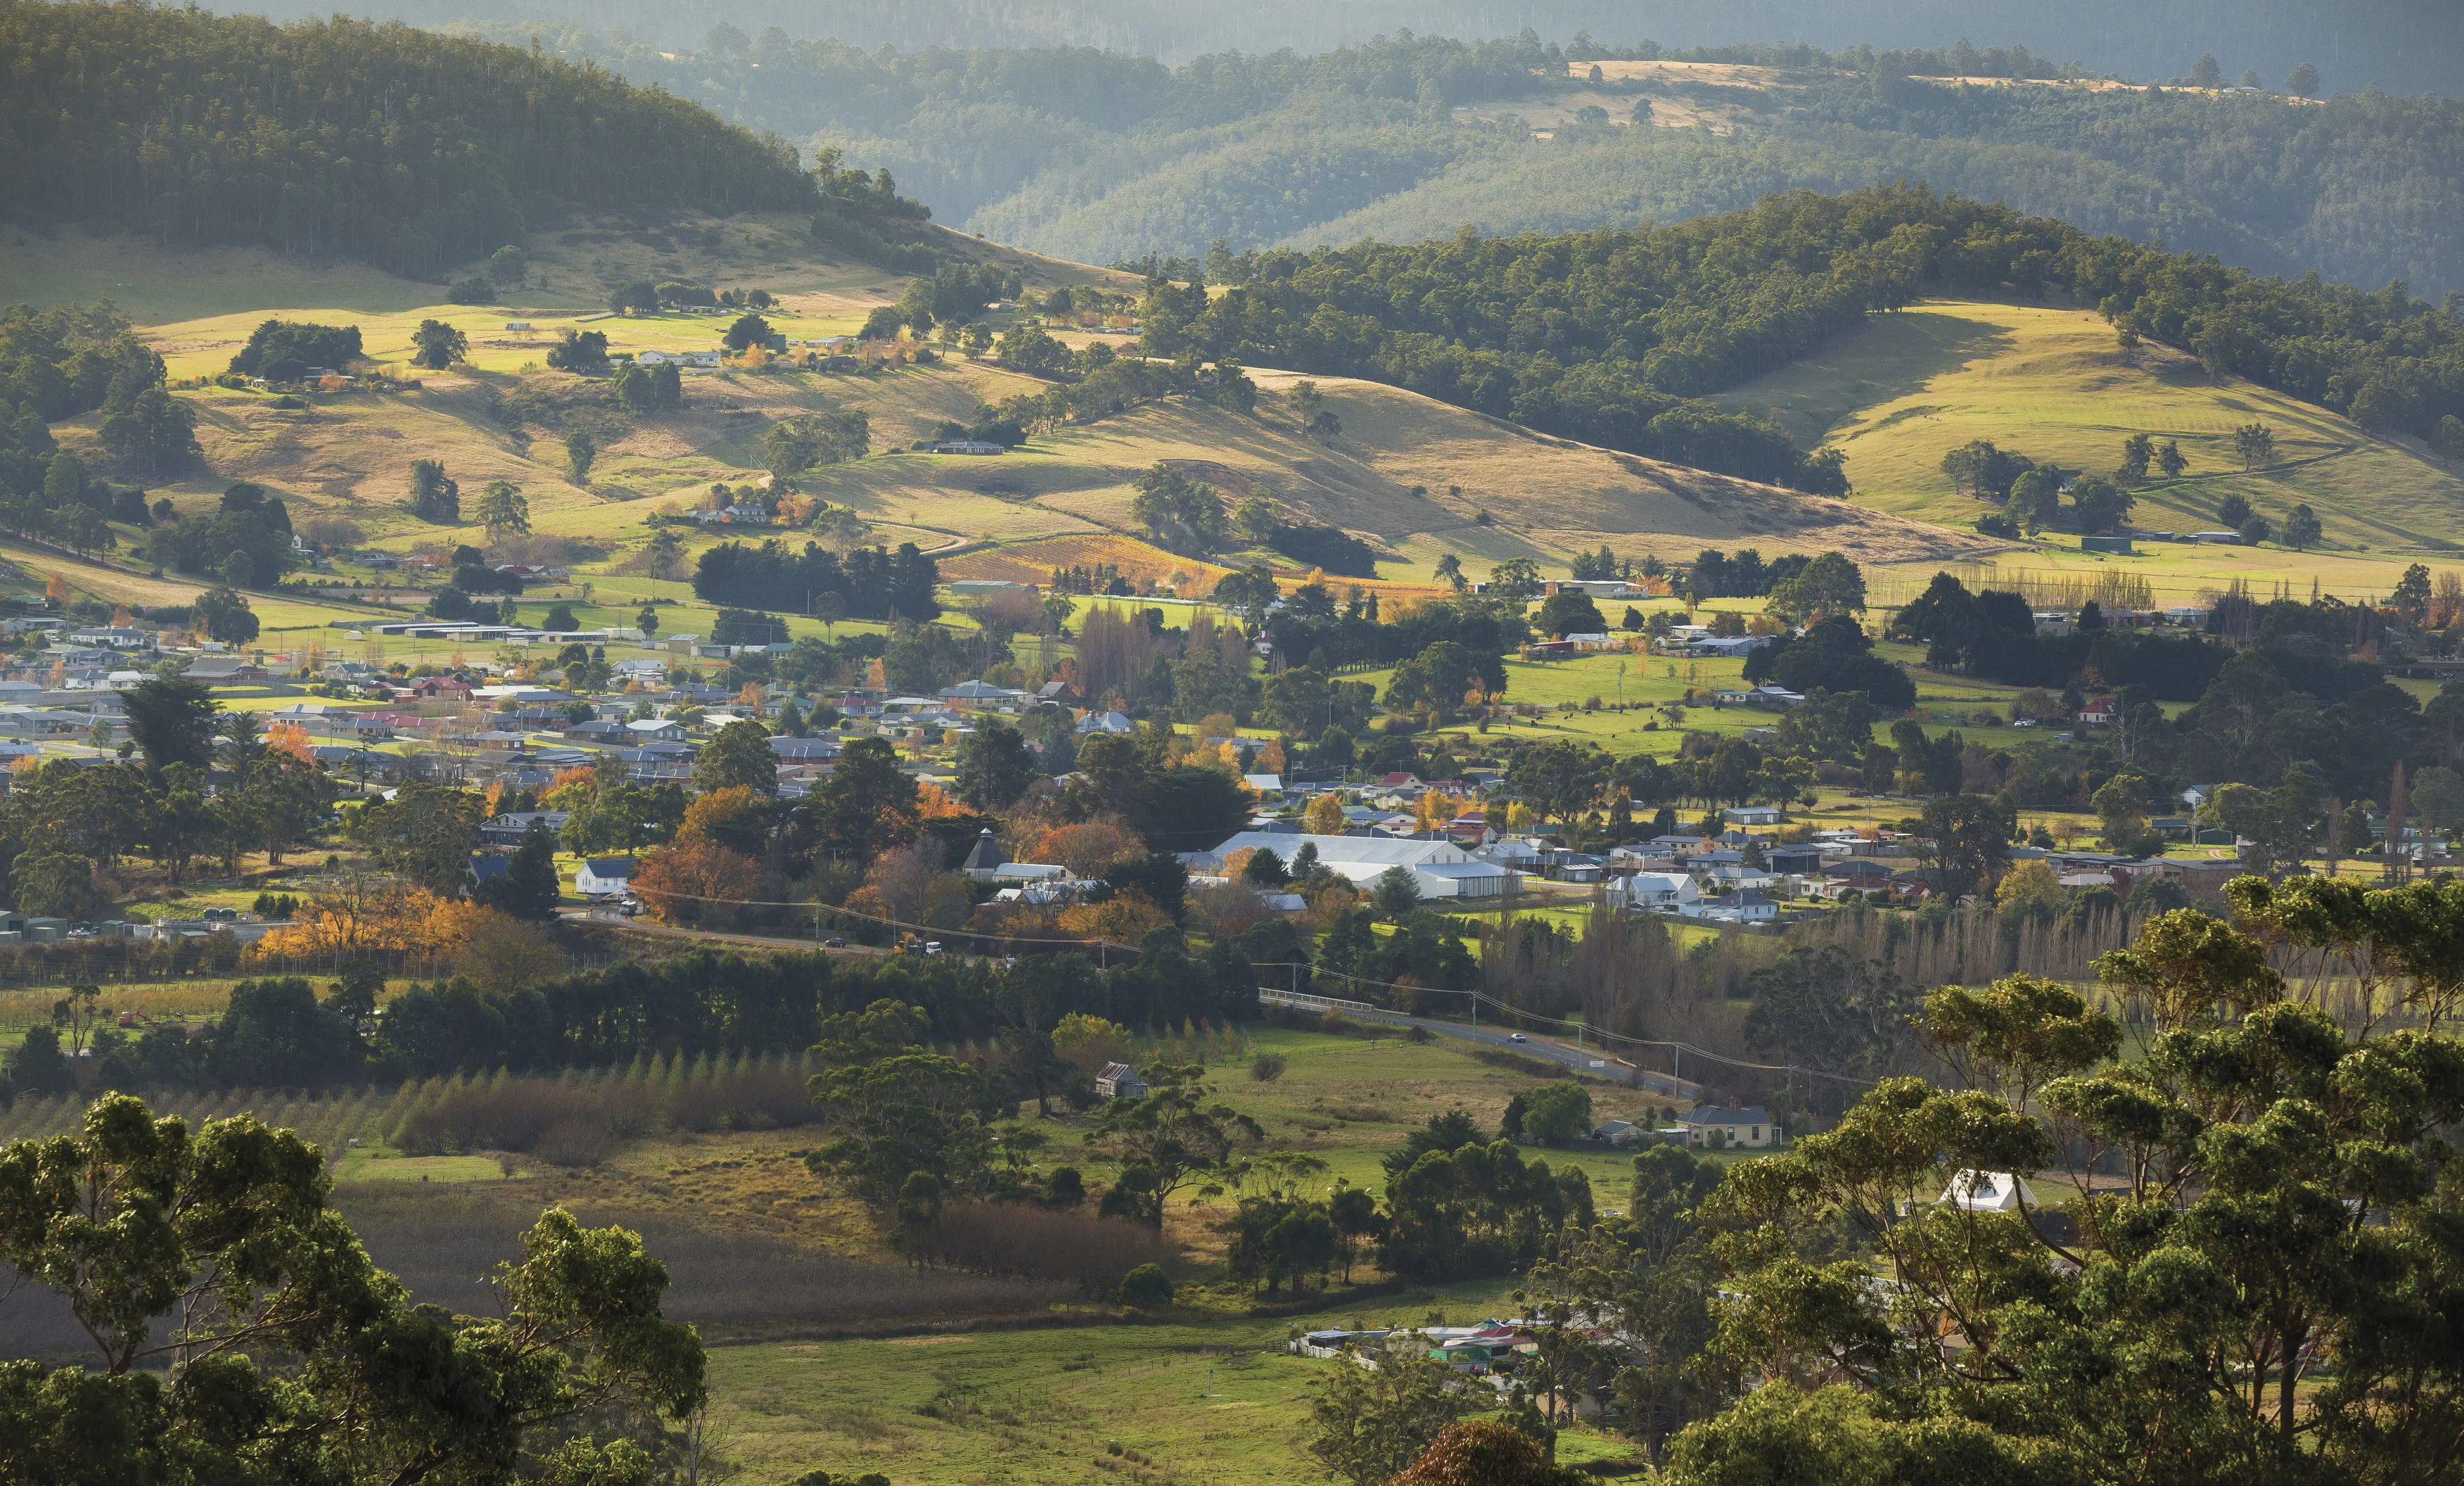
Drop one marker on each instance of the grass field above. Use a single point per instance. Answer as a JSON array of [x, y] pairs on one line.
[[2053, 384], [1179, 1400]]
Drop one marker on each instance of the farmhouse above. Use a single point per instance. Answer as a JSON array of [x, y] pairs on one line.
[[1748, 1125], [602, 876]]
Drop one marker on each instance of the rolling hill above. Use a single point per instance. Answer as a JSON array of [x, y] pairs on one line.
[[1902, 390], [1412, 474], [1518, 397]]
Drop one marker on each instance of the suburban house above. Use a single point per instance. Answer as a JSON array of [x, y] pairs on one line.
[[1752, 815], [513, 830], [1749, 1126], [984, 858], [210, 669], [1653, 892], [1118, 1081], [1743, 906], [656, 730], [982, 693], [804, 750], [602, 876]]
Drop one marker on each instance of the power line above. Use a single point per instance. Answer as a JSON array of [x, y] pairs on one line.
[[896, 923]]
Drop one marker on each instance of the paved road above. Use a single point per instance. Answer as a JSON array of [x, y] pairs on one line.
[[1585, 1060]]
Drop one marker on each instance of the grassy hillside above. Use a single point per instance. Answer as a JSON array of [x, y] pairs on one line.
[[1895, 395], [2055, 384], [349, 456]]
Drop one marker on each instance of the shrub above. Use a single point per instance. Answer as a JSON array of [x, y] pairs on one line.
[[1558, 1113], [1147, 1288], [1040, 1243], [512, 1118], [1266, 1067], [754, 1098], [575, 1143], [529, 1115]]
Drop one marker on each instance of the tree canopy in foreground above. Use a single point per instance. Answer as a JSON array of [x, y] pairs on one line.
[[242, 1334]]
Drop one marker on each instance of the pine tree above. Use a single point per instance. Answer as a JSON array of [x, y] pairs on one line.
[[528, 889]]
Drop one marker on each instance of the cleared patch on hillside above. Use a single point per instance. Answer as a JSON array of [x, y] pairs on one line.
[[1557, 495], [575, 261], [1033, 562]]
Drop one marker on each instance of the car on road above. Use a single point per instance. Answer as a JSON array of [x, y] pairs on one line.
[[834, 941], [1517, 1038]]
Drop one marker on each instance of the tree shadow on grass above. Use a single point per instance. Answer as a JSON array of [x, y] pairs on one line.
[[1889, 357]]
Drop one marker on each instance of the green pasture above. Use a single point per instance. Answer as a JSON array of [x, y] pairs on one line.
[[1175, 1398], [2055, 384]]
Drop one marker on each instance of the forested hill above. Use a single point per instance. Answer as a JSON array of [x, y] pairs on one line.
[[409, 149], [1613, 336], [1107, 156]]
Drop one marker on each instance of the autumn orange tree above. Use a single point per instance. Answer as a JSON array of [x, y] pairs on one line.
[[695, 881]]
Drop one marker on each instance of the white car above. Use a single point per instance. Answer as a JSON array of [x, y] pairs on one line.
[[1516, 1037], [2025, 722]]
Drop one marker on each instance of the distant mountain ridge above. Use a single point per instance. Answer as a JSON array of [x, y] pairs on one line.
[[2403, 46], [1103, 157]]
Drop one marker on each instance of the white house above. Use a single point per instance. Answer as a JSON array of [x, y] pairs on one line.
[[602, 876], [1988, 1191], [1441, 869], [1743, 906], [1750, 1127], [1119, 1081], [1752, 815], [1647, 891]]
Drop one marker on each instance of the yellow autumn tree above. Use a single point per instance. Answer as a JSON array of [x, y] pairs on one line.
[[1324, 816], [1087, 1043], [1086, 849], [1125, 918], [711, 810], [291, 738], [369, 917]]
